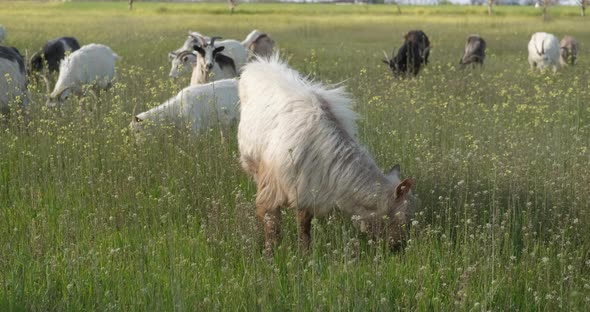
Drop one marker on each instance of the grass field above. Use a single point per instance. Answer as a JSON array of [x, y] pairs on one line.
[[90, 221]]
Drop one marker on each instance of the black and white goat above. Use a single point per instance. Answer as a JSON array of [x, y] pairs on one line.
[[212, 64], [183, 61], [52, 53]]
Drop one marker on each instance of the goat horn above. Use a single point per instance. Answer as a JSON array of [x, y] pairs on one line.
[[199, 39], [212, 42], [385, 54], [26, 60], [134, 116], [537, 49], [47, 84]]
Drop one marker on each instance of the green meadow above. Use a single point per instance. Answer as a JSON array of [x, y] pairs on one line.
[[91, 220]]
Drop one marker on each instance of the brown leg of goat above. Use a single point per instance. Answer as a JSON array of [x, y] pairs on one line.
[[270, 217], [304, 218]]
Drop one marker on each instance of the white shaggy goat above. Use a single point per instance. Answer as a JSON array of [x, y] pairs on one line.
[[298, 140], [13, 79], [259, 44], [544, 51], [200, 106], [568, 50], [93, 65]]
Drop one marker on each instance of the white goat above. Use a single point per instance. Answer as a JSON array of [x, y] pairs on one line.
[[93, 64], [297, 140], [543, 51], [13, 79], [259, 44], [200, 106]]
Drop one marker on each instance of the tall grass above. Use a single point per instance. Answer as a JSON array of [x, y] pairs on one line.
[[89, 220]]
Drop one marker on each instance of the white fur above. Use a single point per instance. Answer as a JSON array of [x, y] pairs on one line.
[[200, 106], [544, 51], [92, 64], [12, 84], [303, 136]]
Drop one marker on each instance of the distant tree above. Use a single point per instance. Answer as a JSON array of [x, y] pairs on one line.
[[399, 9], [582, 4], [490, 5], [232, 5], [130, 5], [546, 4]]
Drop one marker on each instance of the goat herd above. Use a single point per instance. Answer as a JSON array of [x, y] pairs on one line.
[[297, 139]]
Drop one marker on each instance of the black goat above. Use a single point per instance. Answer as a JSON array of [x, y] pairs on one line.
[[52, 53]]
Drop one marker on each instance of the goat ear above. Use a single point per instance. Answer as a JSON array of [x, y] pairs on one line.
[[394, 172], [404, 188], [171, 55], [199, 49], [219, 49]]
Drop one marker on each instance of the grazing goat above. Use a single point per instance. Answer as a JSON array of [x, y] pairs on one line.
[[419, 37], [212, 64], [298, 141], [200, 106], [13, 81], [569, 50], [475, 51], [543, 51], [93, 64], [407, 60], [52, 53], [259, 44]]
